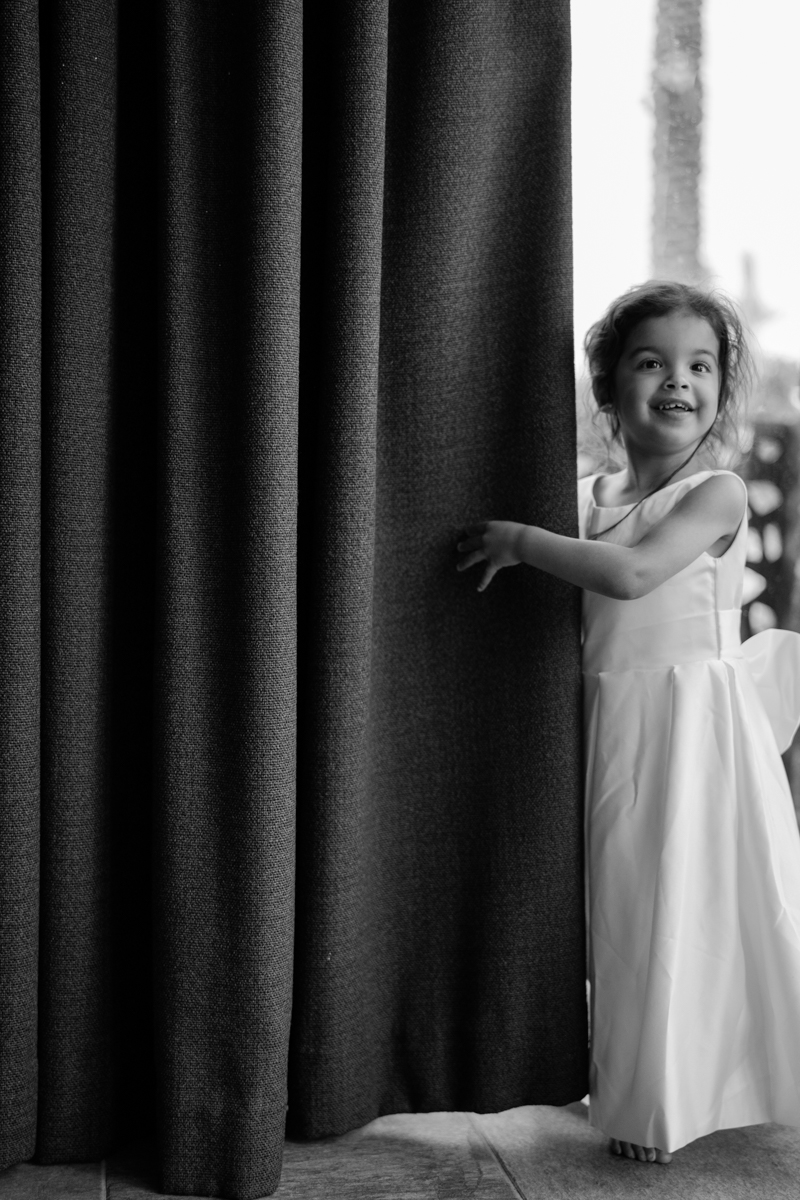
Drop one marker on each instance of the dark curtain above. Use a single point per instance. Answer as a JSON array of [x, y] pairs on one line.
[[290, 814]]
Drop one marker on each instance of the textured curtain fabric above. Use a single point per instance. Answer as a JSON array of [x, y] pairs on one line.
[[289, 814]]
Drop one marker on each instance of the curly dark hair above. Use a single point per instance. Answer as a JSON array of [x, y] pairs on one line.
[[605, 341]]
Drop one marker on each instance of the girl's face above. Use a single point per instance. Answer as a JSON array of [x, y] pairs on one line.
[[666, 383]]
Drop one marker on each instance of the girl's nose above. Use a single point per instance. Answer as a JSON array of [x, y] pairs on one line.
[[676, 383]]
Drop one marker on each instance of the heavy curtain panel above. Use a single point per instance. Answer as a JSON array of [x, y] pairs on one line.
[[291, 815]]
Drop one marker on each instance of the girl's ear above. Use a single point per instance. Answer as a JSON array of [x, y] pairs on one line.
[[608, 409], [601, 394]]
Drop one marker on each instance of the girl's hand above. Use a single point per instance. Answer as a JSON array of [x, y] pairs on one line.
[[494, 542]]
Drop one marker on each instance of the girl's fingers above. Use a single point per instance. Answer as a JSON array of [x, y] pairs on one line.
[[470, 560], [472, 538], [488, 576]]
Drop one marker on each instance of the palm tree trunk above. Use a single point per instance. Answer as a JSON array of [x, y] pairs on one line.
[[677, 98]]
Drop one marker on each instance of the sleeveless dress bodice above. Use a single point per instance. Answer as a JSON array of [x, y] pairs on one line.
[[693, 616], [692, 849]]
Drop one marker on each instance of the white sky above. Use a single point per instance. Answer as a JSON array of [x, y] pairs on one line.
[[751, 153]]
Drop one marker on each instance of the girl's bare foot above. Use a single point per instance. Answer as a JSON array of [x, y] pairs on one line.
[[643, 1153]]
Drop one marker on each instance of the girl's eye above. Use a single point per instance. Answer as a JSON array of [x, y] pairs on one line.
[[702, 366], [650, 362]]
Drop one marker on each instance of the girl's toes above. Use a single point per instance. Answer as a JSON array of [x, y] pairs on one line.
[[627, 1150], [663, 1157], [650, 1152], [614, 1146], [641, 1153]]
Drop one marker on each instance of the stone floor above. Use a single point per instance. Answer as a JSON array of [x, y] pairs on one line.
[[541, 1152]]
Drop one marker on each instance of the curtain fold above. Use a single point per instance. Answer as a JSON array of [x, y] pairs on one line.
[[20, 536], [291, 816], [77, 51], [226, 635], [344, 121]]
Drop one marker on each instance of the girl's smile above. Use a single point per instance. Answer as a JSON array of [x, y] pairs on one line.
[[666, 384]]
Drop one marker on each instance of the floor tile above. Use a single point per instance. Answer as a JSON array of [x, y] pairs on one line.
[[532, 1153], [554, 1153], [441, 1156], [426, 1156], [75, 1181]]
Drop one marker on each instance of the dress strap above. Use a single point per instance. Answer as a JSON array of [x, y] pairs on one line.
[[585, 502], [742, 527], [741, 481]]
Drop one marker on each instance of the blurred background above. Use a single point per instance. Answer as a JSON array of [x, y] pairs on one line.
[[686, 166]]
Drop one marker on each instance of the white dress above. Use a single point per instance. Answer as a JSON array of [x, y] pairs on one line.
[[692, 850]]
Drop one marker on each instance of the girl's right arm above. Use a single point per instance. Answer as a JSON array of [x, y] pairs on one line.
[[711, 511]]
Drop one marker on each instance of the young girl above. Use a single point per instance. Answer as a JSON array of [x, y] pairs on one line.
[[692, 847]]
